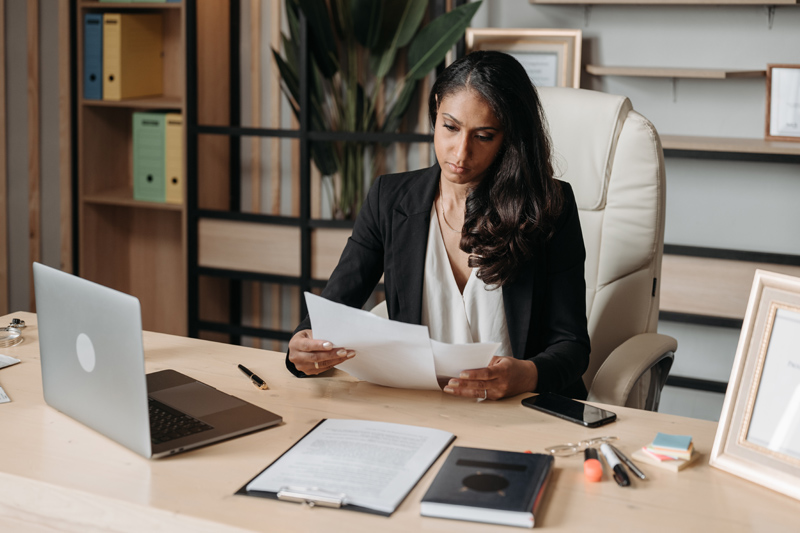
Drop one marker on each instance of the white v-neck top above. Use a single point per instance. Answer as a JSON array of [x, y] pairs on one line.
[[477, 315]]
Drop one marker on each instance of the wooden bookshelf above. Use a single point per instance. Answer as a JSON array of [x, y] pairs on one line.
[[136, 247], [656, 72]]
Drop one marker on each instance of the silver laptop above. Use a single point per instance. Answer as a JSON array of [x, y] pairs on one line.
[[90, 339]]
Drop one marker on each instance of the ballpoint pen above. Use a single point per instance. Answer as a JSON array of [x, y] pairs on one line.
[[620, 476], [630, 464], [257, 381]]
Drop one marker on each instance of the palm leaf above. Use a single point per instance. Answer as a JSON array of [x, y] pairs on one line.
[[434, 40], [320, 36]]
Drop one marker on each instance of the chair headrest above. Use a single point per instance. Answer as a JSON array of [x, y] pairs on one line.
[[584, 127]]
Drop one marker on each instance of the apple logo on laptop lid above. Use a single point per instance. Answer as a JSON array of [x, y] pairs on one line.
[[85, 349]]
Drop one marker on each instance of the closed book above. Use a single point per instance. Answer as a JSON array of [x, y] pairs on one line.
[[93, 56], [173, 147], [490, 486], [132, 55], [149, 156]]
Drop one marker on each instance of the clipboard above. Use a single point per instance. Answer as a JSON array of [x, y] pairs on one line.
[[322, 497]]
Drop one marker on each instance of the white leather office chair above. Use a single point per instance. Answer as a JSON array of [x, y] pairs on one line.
[[612, 157]]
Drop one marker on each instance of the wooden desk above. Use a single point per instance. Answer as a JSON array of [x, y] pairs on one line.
[[56, 473]]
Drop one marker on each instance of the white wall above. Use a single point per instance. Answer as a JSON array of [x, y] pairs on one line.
[[715, 204]]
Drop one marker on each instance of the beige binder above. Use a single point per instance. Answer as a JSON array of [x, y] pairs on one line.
[[174, 158], [132, 55]]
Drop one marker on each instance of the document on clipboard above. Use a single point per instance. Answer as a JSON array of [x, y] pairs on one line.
[[360, 465]]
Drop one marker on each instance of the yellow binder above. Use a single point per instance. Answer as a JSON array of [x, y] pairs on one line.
[[132, 55], [174, 158]]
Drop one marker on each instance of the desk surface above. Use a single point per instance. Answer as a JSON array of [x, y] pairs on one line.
[[54, 471]]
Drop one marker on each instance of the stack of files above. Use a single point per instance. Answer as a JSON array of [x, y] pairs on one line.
[[133, 53], [672, 452], [158, 157]]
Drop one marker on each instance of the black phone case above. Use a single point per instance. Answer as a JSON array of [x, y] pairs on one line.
[[529, 402]]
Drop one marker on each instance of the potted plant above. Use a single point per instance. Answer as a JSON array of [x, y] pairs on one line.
[[343, 36]]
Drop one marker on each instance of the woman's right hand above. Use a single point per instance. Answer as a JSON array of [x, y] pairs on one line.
[[312, 356]]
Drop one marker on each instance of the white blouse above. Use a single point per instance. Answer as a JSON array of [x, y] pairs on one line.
[[477, 315]]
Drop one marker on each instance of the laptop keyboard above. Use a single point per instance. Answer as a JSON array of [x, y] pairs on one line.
[[168, 424]]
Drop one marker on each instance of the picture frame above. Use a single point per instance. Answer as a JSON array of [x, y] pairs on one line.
[[783, 103], [552, 57], [758, 437]]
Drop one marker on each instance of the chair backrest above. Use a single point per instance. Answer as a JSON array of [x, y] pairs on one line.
[[612, 157]]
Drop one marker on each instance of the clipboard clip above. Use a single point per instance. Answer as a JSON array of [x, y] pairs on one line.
[[312, 496]]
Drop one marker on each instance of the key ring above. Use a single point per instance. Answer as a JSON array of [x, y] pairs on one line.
[[565, 450]]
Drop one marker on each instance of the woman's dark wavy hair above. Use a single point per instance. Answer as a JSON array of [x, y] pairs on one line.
[[516, 205]]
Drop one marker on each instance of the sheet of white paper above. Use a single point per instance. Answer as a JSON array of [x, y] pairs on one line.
[[451, 359], [7, 360], [389, 353], [375, 464]]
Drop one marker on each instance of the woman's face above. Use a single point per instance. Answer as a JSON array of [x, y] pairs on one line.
[[467, 137]]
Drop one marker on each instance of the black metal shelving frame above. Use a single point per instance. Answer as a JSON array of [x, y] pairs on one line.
[[304, 135]]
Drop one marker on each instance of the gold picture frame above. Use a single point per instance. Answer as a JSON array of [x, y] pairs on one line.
[[758, 437], [552, 57], [783, 103]]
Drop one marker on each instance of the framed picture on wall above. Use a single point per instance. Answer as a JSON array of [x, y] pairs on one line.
[[783, 103], [758, 437], [552, 57]]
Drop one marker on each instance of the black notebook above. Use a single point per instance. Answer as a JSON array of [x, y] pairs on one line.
[[490, 486]]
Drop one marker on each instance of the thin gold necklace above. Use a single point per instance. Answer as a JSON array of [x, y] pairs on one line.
[[441, 206]]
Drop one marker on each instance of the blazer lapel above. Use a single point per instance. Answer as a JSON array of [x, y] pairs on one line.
[[410, 226]]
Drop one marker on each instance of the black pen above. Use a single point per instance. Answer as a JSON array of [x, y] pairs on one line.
[[257, 381], [620, 476], [628, 462]]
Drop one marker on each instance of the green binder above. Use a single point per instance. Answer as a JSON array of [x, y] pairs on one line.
[[149, 134]]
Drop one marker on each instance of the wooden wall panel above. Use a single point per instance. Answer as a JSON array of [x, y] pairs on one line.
[[34, 149], [65, 138], [326, 248], [249, 247], [3, 168], [711, 287]]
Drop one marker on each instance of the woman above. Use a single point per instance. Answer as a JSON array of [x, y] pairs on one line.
[[485, 246]]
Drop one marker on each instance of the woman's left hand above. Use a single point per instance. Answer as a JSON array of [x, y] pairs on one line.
[[505, 376]]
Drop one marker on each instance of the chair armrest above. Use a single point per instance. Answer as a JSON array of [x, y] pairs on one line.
[[648, 356]]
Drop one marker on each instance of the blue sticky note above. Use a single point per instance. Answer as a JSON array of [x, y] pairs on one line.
[[673, 442]]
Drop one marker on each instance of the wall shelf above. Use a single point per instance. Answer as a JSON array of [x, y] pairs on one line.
[[156, 102], [130, 5], [122, 198], [654, 72], [672, 2], [729, 145]]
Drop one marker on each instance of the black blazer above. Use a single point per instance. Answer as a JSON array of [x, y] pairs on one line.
[[545, 306]]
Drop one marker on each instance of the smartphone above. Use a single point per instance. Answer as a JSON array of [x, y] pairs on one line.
[[569, 409]]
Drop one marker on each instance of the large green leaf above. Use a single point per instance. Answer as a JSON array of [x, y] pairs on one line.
[[434, 40], [409, 19], [409, 24], [320, 36], [366, 16]]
